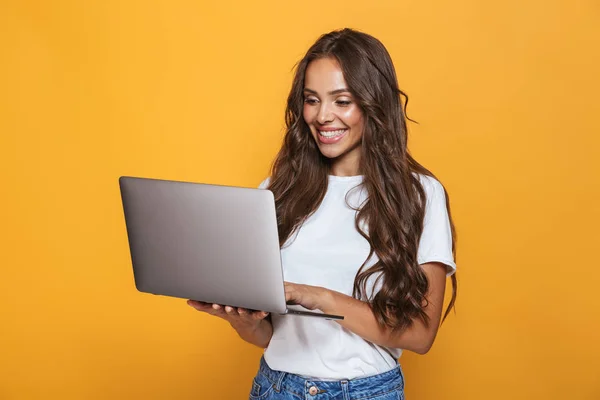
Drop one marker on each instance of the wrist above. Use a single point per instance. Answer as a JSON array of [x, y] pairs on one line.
[[328, 301], [248, 329], [258, 334]]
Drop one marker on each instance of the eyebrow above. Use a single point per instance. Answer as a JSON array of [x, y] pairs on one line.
[[342, 90]]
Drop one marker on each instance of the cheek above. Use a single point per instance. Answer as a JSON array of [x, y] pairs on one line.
[[309, 114], [354, 119]]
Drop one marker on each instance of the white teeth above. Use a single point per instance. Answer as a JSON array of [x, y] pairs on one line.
[[330, 134]]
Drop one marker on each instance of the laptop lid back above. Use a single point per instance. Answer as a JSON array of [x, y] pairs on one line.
[[211, 243]]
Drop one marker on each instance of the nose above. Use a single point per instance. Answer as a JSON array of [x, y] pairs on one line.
[[325, 115]]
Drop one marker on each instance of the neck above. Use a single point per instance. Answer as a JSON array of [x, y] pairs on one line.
[[347, 164]]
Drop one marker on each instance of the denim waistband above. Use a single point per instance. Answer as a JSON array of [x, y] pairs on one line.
[[357, 387]]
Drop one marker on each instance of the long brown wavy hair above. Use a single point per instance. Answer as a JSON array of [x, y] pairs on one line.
[[395, 207]]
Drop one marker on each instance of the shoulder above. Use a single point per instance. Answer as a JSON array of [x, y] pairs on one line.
[[432, 187]]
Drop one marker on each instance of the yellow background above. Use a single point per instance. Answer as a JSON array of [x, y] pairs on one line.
[[506, 94]]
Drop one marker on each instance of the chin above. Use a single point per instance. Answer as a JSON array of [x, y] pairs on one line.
[[330, 152]]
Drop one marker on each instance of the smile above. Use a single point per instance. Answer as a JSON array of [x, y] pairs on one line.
[[332, 134], [331, 137]]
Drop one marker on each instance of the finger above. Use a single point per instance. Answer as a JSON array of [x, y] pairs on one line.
[[198, 305], [207, 308], [218, 310], [252, 315], [230, 310], [290, 295], [258, 315]]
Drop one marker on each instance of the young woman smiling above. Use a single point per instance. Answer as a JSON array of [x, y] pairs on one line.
[[365, 231]]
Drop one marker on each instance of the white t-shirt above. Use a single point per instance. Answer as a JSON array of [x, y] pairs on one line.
[[327, 251]]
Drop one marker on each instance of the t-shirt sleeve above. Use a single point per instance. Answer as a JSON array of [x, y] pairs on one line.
[[436, 240], [264, 184]]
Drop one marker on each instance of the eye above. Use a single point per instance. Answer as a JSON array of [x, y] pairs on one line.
[[344, 103], [310, 100]]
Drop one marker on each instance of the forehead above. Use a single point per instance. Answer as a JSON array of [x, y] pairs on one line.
[[324, 75]]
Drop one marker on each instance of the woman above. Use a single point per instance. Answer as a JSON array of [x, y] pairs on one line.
[[365, 230]]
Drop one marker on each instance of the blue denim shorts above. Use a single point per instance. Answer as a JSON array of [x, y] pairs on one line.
[[278, 385]]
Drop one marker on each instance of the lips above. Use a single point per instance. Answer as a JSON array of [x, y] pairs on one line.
[[332, 133], [331, 136]]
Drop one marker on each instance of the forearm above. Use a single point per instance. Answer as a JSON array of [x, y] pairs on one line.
[[260, 336], [359, 319]]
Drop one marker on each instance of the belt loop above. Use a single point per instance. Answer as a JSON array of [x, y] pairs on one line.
[[345, 389], [277, 385]]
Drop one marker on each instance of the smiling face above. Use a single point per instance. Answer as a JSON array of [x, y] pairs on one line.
[[335, 120]]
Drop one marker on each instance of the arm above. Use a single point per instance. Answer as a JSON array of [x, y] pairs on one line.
[[359, 319], [260, 335], [252, 326]]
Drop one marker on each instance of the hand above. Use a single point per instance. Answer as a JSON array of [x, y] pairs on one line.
[[310, 297], [240, 319]]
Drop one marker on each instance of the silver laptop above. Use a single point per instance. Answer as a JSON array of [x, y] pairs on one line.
[[211, 243]]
